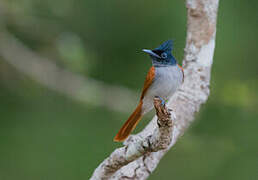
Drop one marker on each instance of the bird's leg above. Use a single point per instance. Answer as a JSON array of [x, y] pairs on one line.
[[162, 100]]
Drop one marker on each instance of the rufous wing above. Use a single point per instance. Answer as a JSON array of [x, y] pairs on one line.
[[136, 116], [148, 81]]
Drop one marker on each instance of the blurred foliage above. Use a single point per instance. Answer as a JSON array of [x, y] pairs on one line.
[[47, 136]]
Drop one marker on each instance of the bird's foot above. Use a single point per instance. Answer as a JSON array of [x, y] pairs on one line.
[[162, 100]]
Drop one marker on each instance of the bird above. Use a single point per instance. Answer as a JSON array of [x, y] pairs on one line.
[[163, 79]]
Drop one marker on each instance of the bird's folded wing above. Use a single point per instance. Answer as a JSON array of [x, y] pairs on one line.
[[148, 81]]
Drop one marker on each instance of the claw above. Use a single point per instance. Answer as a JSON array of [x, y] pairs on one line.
[[162, 100]]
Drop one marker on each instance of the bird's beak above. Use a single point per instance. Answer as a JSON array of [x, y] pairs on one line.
[[150, 52]]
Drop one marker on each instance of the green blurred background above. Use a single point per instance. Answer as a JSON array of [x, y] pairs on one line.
[[47, 135]]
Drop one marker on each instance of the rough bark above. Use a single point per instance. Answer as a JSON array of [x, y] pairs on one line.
[[137, 146], [197, 63]]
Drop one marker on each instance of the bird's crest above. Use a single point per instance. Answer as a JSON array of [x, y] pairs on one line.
[[166, 46]]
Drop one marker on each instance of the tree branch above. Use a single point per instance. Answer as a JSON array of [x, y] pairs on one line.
[[46, 72], [138, 146], [197, 63]]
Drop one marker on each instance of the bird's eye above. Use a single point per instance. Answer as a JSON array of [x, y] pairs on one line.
[[164, 55]]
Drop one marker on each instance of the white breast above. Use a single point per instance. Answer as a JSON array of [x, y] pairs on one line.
[[167, 80]]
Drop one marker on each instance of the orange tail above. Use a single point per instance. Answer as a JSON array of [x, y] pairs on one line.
[[130, 124]]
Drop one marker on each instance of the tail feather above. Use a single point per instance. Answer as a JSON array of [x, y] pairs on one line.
[[130, 124]]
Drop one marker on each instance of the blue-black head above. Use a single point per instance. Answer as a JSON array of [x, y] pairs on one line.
[[162, 56]]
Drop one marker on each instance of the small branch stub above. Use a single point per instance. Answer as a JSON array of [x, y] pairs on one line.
[[162, 112], [163, 134]]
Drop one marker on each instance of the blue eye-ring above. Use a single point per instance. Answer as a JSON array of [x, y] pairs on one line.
[[164, 55]]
